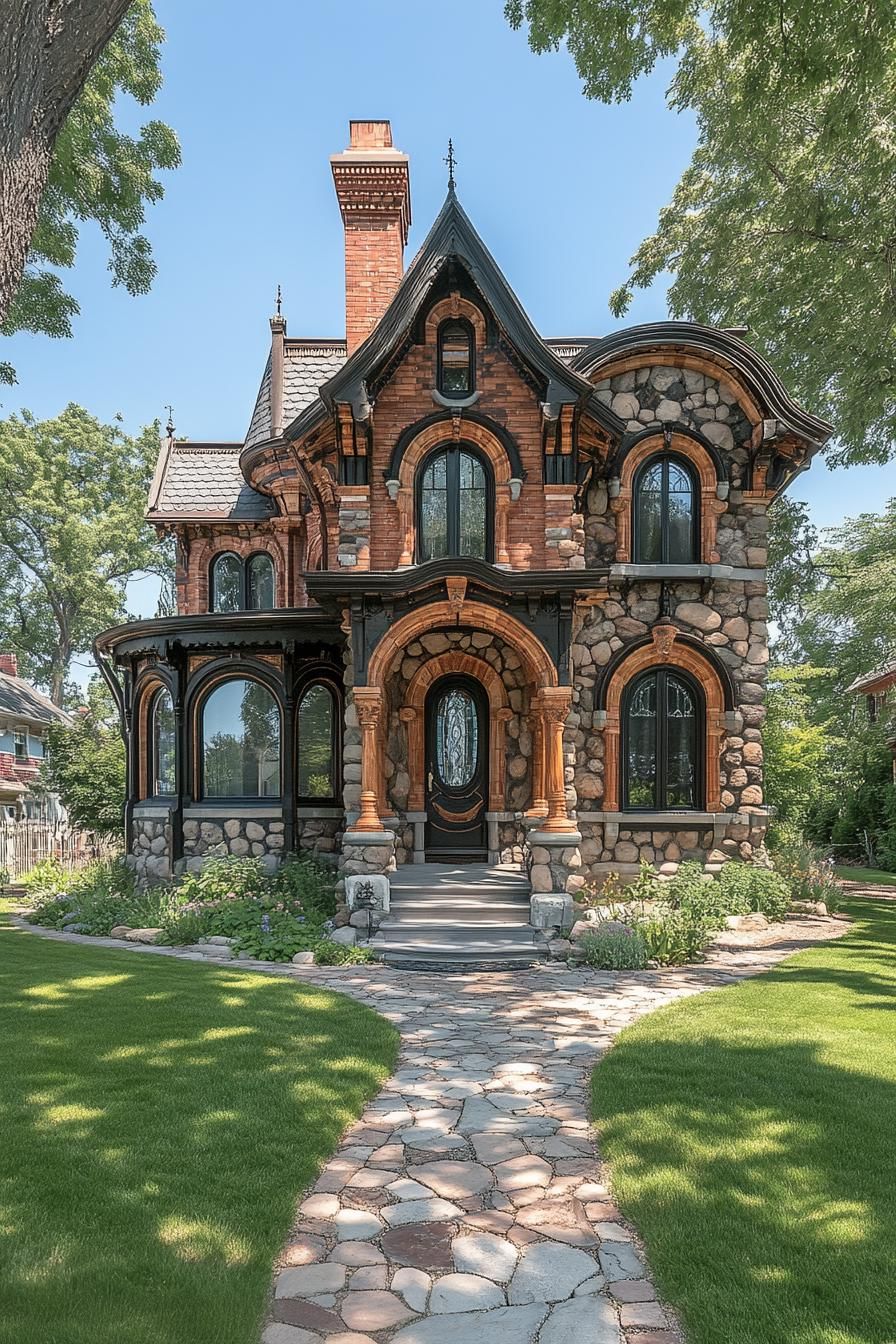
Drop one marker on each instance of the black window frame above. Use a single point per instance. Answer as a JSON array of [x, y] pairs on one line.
[[20, 733], [661, 674], [202, 698], [244, 563], [468, 328], [667, 460], [453, 452], [152, 755], [335, 798]]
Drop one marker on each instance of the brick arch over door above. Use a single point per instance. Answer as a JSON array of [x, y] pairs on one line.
[[455, 663], [664, 650]]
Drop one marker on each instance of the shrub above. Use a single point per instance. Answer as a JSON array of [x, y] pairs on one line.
[[103, 892], [806, 868], [46, 878], [611, 948], [329, 953], [761, 889], [224, 879], [675, 936], [309, 883], [50, 910], [702, 897]]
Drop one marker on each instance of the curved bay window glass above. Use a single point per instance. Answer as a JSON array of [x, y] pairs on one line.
[[240, 737], [662, 734], [163, 744], [316, 726], [457, 348], [453, 506], [666, 512], [227, 582], [260, 582]]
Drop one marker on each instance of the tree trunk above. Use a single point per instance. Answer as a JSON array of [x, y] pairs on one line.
[[47, 50]]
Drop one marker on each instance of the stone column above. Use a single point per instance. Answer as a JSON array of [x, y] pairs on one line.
[[539, 806], [555, 702], [369, 704]]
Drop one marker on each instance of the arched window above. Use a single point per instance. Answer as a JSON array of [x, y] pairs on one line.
[[161, 735], [454, 505], [456, 376], [227, 582], [662, 742], [666, 506], [240, 738], [259, 582], [242, 585], [316, 728]]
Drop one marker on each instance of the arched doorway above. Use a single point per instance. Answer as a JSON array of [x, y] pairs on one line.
[[457, 755]]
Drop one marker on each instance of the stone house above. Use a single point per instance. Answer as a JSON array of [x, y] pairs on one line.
[[463, 593], [879, 689]]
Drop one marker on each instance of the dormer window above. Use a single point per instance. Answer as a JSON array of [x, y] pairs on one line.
[[457, 359]]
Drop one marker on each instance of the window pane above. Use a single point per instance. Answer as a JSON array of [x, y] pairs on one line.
[[315, 778], [261, 583], [163, 744], [680, 515], [434, 510], [227, 575], [640, 764], [241, 742], [649, 519], [455, 356], [681, 735], [457, 739], [472, 508]]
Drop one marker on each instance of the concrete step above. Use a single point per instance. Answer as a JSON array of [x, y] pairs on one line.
[[460, 910]]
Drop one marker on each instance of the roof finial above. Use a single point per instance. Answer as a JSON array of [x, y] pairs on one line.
[[451, 162], [279, 299], [169, 428]]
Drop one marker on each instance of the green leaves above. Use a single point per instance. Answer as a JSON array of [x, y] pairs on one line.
[[785, 219], [72, 532], [99, 173]]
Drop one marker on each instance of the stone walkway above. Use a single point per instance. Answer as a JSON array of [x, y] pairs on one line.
[[468, 1204]]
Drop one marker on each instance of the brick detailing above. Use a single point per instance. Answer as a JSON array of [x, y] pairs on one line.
[[373, 188], [9, 664]]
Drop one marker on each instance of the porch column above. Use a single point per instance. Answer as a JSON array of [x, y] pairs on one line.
[[539, 806], [555, 702], [369, 704]]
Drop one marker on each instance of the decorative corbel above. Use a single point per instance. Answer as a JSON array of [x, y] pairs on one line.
[[456, 588]]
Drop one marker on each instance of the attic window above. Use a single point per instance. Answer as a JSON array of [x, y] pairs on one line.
[[457, 359]]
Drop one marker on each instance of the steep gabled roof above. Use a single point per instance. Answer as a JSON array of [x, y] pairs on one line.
[[718, 345], [19, 700], [306, 365], [453, 236]]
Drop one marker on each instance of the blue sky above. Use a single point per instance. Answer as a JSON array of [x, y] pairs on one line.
[[561, 189]]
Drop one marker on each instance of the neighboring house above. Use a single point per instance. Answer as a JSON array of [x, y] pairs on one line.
[[464, 593], [879, 690], [25, 716]]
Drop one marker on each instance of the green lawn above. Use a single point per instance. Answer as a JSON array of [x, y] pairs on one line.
[[158, 1119], [752, 1137], [875, 877]]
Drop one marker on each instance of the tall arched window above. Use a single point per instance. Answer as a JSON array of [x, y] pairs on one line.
[[454, 505], [662, 742], [227, 582], [161, 736], [316, 754], [666, 508], [240, 737], [259, 582], [456, 375], [242, 585]]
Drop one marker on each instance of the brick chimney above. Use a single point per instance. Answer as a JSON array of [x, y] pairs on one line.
[[372, 183], [9, 664]]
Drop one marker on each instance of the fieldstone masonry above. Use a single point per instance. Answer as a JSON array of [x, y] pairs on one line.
[[150, 855]]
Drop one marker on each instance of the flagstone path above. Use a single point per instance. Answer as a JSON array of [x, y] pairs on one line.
[[468, 1204]]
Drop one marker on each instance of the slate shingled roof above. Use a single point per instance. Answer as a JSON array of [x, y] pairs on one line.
[[203, 481], [307, 364], [22, 702]]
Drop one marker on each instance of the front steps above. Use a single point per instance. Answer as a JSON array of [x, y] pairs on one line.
[[458, 916]]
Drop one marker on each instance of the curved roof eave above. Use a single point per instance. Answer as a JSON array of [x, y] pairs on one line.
[[718, 344], [453, 235]]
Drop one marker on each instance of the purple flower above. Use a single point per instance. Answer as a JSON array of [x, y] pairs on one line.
[[265, 923]]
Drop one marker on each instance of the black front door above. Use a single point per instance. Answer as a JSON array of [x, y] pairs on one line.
[[456, 771]]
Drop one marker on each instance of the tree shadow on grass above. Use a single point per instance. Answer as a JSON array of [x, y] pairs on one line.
[[763, 1179], [158, 1121]]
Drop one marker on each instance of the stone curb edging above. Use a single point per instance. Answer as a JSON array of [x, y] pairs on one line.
[[468, 1204]]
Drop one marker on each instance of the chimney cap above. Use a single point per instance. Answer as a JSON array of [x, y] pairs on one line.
[[370, 135]]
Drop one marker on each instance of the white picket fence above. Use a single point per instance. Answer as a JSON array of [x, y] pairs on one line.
[[24, 843]]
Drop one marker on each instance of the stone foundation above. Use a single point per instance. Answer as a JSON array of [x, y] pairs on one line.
[[219, 836], [150, 855]]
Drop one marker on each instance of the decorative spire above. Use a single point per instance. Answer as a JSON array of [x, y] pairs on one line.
[[169, 428], [279, 299], [451, 162]]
